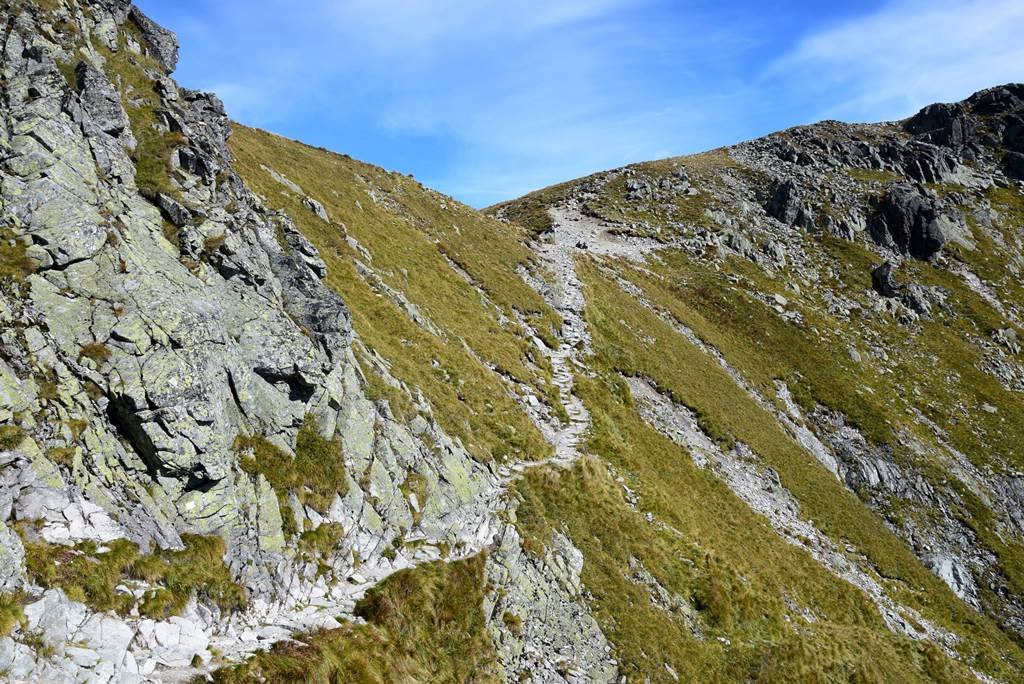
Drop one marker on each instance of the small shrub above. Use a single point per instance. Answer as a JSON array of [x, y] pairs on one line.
[[64, 456], [10, 437], [513, 622], [96, 351], [212, 244], [11, 613], [77, 427], [321, 541]]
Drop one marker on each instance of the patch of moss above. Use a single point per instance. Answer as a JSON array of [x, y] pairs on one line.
[[513, 622], [64, 456], [96, 351], [70, 77], [14, 263], [11, 436], [415, 484]]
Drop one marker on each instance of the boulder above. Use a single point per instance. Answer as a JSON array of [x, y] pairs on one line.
[[786, 205], [100, 101], [882, 280], [173, 210], [1014, 162], [317, 208], [910, 223]]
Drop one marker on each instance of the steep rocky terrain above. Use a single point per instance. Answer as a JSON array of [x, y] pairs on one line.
[[268, 413]]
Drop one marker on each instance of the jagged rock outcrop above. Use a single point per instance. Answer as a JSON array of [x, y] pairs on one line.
[[164, 313], [907, 222], [786, 206]]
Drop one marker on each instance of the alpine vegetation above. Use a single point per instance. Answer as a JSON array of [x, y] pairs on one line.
[[268, 413]]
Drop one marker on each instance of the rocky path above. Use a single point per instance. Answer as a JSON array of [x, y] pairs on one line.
[[572, 235]]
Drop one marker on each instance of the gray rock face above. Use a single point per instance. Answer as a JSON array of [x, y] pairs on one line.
[[786, 206], [164, 351], [100, 101], [942, 124], [542, 630], [161, 42], [910, 223]]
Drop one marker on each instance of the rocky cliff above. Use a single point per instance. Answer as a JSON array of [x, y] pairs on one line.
[[268, 413]]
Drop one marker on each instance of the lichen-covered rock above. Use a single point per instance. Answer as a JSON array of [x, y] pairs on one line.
[[157, 328], [542, 628], [162, 42]]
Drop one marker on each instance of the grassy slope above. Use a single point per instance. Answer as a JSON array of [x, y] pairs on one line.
[[937, 368], [408, 231], [622, 331], [728, 561]]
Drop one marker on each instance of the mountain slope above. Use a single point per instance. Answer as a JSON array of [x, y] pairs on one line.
[[666, 422]]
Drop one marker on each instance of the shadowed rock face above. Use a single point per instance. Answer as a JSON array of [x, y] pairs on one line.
[[909, 223], [174, 350]]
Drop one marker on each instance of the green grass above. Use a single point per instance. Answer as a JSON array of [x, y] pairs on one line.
[[760, 344], [315, 475], [724, 560], [90, 574], [98, 352], [15, 265], [422, 625], [11, 436], [409, 232], [12, 615], [622, 332]]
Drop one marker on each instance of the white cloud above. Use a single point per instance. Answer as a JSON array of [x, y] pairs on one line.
[[401, 25], [910, 53]]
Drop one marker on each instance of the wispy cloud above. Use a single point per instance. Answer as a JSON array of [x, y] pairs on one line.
[[909, 53], [488, 99]]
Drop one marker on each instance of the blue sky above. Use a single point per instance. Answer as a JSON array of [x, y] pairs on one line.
[[488, 99]]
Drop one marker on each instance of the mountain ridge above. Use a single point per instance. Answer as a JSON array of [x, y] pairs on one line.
[[270, 413]]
